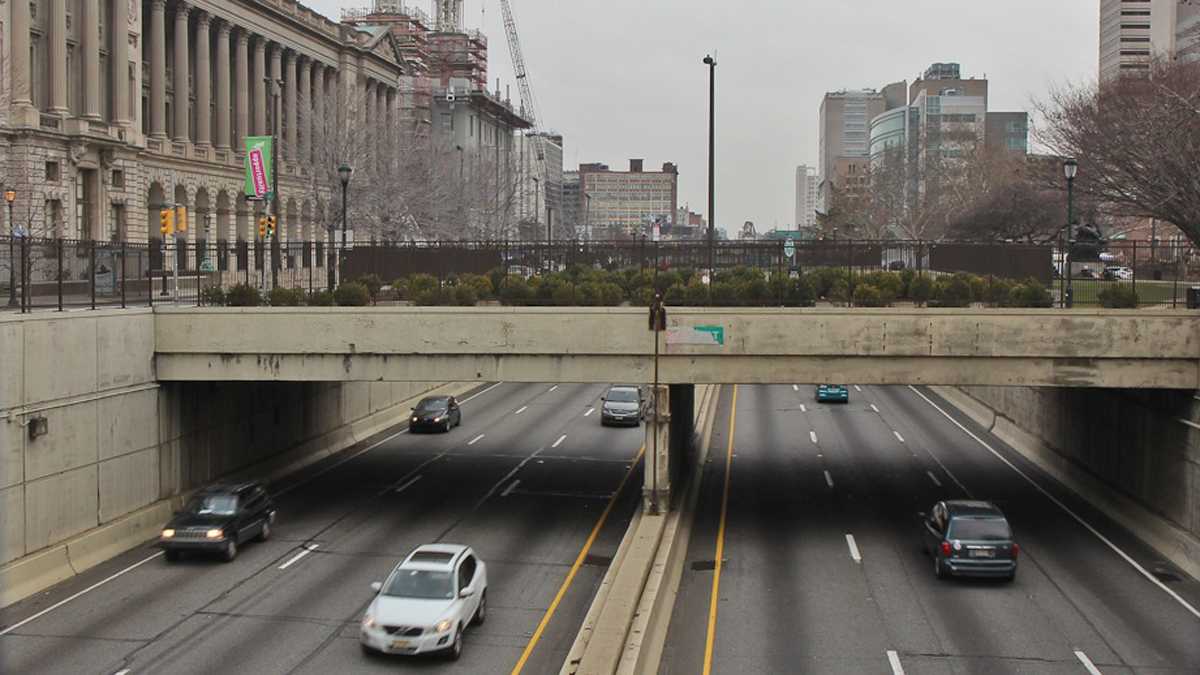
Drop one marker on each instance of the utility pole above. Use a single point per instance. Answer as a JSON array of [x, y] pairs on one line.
[[712, 216], [275, 85]]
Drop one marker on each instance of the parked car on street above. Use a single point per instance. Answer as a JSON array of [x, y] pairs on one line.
[[833, 393], [434, 413], [622, 405], [969, 538], [427, 602], [218, 519], [1118, 272]]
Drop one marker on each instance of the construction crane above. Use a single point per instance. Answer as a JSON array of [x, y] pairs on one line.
[[527, 101]]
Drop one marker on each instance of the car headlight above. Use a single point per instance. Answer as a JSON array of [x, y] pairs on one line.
[[215, 534], [415, 419], [168, 533], [443, 626], [441, 418], [368, 621]]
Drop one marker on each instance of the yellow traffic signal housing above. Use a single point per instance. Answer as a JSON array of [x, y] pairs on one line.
[[181, 218], [166, 221], [262, 227], [271, 221]]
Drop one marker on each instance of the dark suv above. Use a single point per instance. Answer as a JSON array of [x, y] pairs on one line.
[[219, 518], [969, 538]]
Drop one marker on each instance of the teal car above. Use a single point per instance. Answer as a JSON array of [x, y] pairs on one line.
[[833, 393]]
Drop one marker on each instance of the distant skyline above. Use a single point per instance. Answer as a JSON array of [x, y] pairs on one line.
[[623, 79]]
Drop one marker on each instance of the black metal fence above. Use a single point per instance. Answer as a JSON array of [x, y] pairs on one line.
[[63, 274]]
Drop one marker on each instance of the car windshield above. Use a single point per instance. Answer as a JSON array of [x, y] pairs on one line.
[[983, 529], [622, 395], [213, 505], [432, 405], [424, 584]]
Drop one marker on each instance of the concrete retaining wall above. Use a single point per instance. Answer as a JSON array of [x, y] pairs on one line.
[[121, 449], [1135, 454]]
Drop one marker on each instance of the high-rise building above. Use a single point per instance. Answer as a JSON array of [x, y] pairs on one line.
[[1132, 33], [1008, 131], [844, 139], [539, 195], [806, 196], [619, 204]]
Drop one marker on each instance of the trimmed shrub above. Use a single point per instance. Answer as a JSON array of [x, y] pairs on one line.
[[433, 297], [799, 293], [479, 284], [320, 299], [726, 294], [421, 282], [920, 290], [998, 292], [515, 291], [373, 284], [611, 294], [676, 295], [243, 295], [465, 295], [564, 295], [952, 291], [352, 294], [285, 297], [696, 293], [906, 279], [755, 292], [1118, 296], [399, 288], [213, 295], [1031, 293], [867, 295]]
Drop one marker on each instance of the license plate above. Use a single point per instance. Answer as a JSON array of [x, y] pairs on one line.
[[399, 644], [982, 553]]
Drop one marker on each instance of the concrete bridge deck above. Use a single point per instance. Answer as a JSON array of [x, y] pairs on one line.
[[1109, 348]]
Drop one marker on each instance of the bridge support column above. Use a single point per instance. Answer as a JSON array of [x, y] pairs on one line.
[[683, 431], [656, 489]]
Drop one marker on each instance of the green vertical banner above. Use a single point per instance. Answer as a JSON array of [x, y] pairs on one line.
[[258, 166]]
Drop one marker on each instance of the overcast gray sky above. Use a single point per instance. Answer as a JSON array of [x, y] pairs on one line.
[[624, 78]]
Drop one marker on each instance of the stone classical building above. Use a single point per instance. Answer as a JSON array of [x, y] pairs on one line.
[[111, 109]]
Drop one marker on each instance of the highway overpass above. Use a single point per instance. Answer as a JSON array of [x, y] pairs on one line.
[[1100, 348]]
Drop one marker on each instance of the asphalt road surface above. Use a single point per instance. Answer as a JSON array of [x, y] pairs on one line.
[[823, 570], [525, 480]]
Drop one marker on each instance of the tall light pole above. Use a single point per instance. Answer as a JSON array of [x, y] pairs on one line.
[[1070, 170], [712, 216], [275, 85], [10, 196], [344, 172]]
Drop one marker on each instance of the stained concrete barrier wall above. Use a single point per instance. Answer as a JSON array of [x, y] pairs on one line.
[[122, 449], [1135, 454]]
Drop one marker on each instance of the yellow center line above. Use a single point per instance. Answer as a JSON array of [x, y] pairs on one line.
[[716, 583], [587, 546]]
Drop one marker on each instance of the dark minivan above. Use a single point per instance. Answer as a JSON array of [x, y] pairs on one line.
[[969, 538], [217, 519]]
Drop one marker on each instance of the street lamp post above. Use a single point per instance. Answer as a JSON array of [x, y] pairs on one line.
[[344, 172], [275, 85], [712, 216], [10, 196], [1070, 170]]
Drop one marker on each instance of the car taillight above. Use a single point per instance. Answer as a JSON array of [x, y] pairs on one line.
[[1016, 550], [946, 550]]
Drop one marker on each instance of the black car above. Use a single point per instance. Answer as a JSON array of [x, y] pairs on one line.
[[622, 405], [969, 538], [434, 413], [218, 519]]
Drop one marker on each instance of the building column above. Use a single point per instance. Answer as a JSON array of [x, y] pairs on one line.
[[304, 101], [58, 56], [242, 87], [259, 85], [119, 64], [656, 488], [181, 73], [158, 68], [317, 133], [203, 82], [289, 106], [22, 94], [223, 35], [90, 42], [273, 89]]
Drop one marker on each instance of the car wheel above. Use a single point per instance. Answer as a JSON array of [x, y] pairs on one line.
[[447, 427], [264, 533], [1010, 578], [366, 650], [171, 556], [939, 570], [481, 611], [230, 551], [456, 647]]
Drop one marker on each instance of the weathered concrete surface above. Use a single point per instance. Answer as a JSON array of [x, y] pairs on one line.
[[1133, 454], [1136, 349]]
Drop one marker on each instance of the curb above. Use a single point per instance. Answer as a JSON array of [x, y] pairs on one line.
[[37, 571], [618, 624]]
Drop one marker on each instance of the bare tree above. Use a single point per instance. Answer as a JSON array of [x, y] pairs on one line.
[[1136, 140]]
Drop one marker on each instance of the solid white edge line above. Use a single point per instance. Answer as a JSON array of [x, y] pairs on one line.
[[475, 440], [898, 436], [559, 441], [894, 661], [369, 448], [1107, 542], [874, 408], [933, 478], [512, 486], [812, 435], [1087, 663], [828, 478], [854, 554], [307, 548], [589, 412], [404, 487], [89, 589], [521, 409]]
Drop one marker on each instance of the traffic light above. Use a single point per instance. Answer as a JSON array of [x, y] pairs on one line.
[[181, 218], [166, 221], [271, 221], [262, 227]]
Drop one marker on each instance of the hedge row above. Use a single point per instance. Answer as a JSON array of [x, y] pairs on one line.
[[351, 294]]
